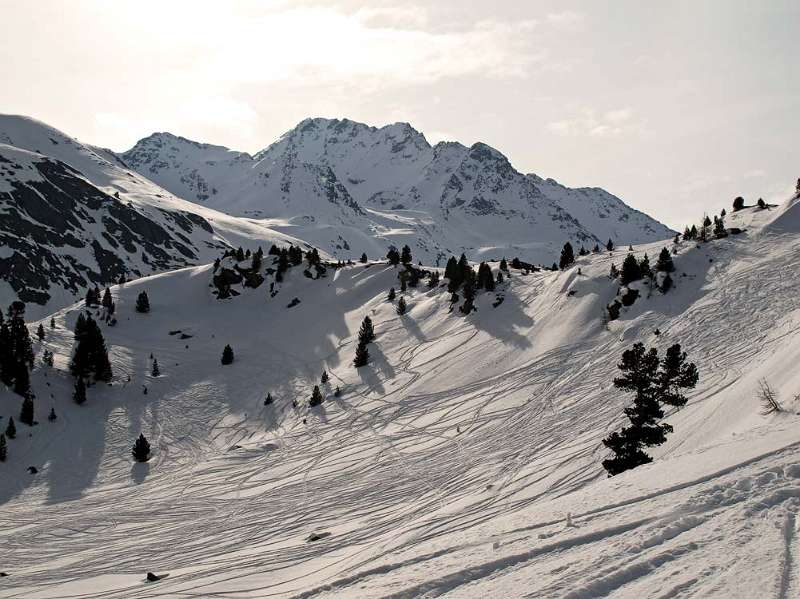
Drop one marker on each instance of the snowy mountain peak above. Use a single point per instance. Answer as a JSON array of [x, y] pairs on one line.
[[360, 188]]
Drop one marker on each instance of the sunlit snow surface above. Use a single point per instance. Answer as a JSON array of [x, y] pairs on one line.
[[413, 507]]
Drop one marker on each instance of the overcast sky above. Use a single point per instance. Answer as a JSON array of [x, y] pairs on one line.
[[676, 107]]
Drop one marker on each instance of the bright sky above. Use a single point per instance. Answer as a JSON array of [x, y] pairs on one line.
[[675, 106]]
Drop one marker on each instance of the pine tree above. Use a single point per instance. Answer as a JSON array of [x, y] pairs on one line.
[[366, 334], [719, 228], [40, 332], [405, 256], [738, 203], [761, 203], [107, 298], [666, 284], [3, 448], [364, 258], [255, 264], [469, 293], [11, 429], [91, 355], [451, 268], [630, 270], [664, 263], [268, 399], [654, 383], [79, 393], [239, 254], [433, 280], [155, 371], [22, 379], [316, 397], [613, 273], [362, 355], [324, 378], [141, 449], [644, 268], [143, 303], [567, 256], [391, 295], [227, 355], [610, 246], [401, 306], [337, 392], [52, 415], [393, 256], [504, 264], [675, 374], [693, 231], [26, 412], [52, 322]]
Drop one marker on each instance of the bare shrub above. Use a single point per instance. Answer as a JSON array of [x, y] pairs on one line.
[[768, 398]]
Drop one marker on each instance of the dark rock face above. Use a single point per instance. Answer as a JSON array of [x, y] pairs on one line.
[[61, 234]]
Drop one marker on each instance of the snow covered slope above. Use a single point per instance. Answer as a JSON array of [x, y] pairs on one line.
[[464, 461], [72, 216], [347, 187]]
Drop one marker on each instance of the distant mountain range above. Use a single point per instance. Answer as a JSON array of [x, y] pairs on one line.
[[348, 187], [73, 215]]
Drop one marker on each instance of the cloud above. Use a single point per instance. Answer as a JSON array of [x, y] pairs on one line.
[[612, 123]]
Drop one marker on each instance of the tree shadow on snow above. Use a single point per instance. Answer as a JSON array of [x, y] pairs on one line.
[[501, 322], [139, 472]]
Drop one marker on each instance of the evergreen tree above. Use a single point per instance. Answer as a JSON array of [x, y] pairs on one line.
[[239, 254], [666, 284], [52, 415], [738, 203], [504, 265], [515, 263], [255, 264], [3, 448], [393, 256], [79, 393], [268, 399], [401, 306], [47, 358], [583, 251], [761, 203], [693, 231], [719, 228], [391, 295], [610, 246], [312, 257], [687, 233], [644, 268], [337, 392], [596, 249], [362, 355], [91, 355], [316, 397], [567, 256], [499, 277], [630, 270], [227, 355], [405, 256], [664, 263], [141, 448], [675, 374], [366, 334], [26, 415], [52, 322], [433, 280], [469, 293], [22, 380], [107, 298], [451, 268], [613, 273], [155, 371], [11, 429], [364, 258], [143, 303], [324, 378], [654, 383], [80, 326], [40, 332], [403, 283]]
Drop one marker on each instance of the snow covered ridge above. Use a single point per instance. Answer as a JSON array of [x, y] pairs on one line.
[[463, 460], [346, 187], [72, 216]]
